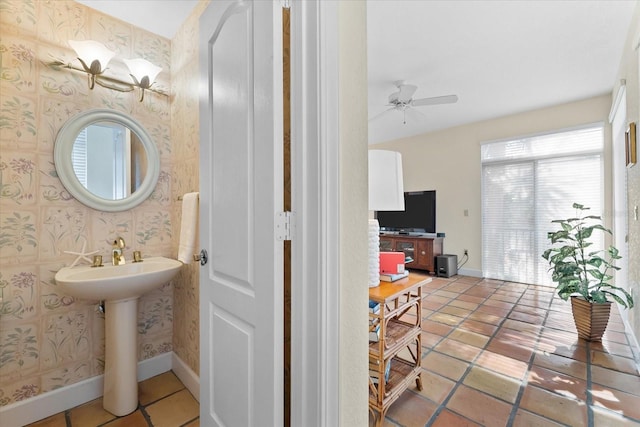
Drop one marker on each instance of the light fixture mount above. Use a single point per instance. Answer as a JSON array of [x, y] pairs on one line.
[[94, 58]]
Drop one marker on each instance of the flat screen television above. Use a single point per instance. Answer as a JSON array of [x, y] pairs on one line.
[[419, 215]]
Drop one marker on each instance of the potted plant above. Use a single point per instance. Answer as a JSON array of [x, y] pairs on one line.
[[584, 274]]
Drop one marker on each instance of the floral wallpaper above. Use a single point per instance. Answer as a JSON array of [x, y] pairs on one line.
[[50, 340]]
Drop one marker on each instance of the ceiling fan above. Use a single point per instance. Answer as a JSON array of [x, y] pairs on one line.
[[402, 100]]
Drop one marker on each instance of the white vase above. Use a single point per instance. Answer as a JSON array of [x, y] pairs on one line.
[[374, 253]]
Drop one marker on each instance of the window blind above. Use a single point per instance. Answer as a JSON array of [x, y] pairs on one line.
[[528, 182], [79, 157]]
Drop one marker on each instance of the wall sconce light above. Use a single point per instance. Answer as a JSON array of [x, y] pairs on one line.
[[386, 193], [94, 57], [143, 73], [93, 53]]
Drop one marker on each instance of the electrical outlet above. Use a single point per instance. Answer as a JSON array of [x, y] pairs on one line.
[[466, 252]]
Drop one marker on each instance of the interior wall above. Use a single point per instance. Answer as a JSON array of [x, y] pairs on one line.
[[448, 161], [48, 339], [185, 142], [353, 213], [629, 66]]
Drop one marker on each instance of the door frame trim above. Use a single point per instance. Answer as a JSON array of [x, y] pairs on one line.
[[315, 397]]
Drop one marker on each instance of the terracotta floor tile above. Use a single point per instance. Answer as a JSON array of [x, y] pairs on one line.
[[433, 305], [174, 410], [90, 414], [603, 417], [468, 337], [526, 317], [446, 319], [470, 298], [534, 311], [479, 407], [430, 340], [505, 307], [444, 365], [158, 387], [512, 350], [500, 386], [561, 337], [527, 419], [426, 313], [437, 297], [436, 328], [456, 311], [571, 352], [617, 401], [458, 287], [446, 294], [57, 420], [496, 311], [553, 406], [411, 410], [478, 327], [502, 364], [458, 349], [463, 304], [132, 420], [522, 326], [611, 361], [617, 380], [561, 364], [612, 348], [434, 387], [558, 383], [510, 299], [489, 318], [618, 337], [448, 419]]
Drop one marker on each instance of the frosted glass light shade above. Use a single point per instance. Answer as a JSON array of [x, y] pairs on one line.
[[386, 193], [141, 68], [386, 190], [89, 51]]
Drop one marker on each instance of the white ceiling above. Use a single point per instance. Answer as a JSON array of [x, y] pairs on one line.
[[500, 57], [162, 17]]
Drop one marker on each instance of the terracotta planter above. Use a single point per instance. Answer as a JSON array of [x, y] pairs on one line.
[[591, 319]]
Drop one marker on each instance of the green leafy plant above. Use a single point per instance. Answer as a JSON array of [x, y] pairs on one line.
[[578, 270]]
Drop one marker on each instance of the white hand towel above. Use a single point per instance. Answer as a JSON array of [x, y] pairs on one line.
[[188, 227]]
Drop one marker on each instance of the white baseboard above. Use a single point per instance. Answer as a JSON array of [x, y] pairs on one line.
[[470, 272], [189, 378], [634, 342], [46, 404]]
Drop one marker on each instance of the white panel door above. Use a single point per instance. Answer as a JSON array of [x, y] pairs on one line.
[[241, 185]]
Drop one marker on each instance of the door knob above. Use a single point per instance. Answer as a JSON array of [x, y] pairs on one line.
[[203, 257]]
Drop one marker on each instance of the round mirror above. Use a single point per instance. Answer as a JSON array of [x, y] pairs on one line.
[[106, 160]]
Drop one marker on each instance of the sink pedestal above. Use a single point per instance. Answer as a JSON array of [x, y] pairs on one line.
[[119, 286], [121, 356]]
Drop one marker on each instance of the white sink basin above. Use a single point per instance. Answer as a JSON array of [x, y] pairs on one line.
[[117, 282], [119, 286]]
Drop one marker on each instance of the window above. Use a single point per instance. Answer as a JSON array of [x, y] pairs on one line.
[[528, 182]]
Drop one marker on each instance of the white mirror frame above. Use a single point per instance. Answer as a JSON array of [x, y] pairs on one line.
[[62, 158]]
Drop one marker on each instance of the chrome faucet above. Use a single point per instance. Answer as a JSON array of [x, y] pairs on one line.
[[117, 257]]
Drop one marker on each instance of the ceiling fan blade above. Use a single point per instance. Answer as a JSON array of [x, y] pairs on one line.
[[377, 116], [406, 92], [436, 100]]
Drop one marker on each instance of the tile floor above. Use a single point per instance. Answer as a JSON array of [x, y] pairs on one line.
[[494, 354], [506, 354], [164, 402]]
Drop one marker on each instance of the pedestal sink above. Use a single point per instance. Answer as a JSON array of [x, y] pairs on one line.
[[119, 286]]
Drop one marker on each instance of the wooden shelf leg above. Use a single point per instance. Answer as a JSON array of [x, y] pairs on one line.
[[419, 381]]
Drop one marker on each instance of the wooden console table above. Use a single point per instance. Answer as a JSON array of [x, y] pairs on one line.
[[423, 250], [399, 345]]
